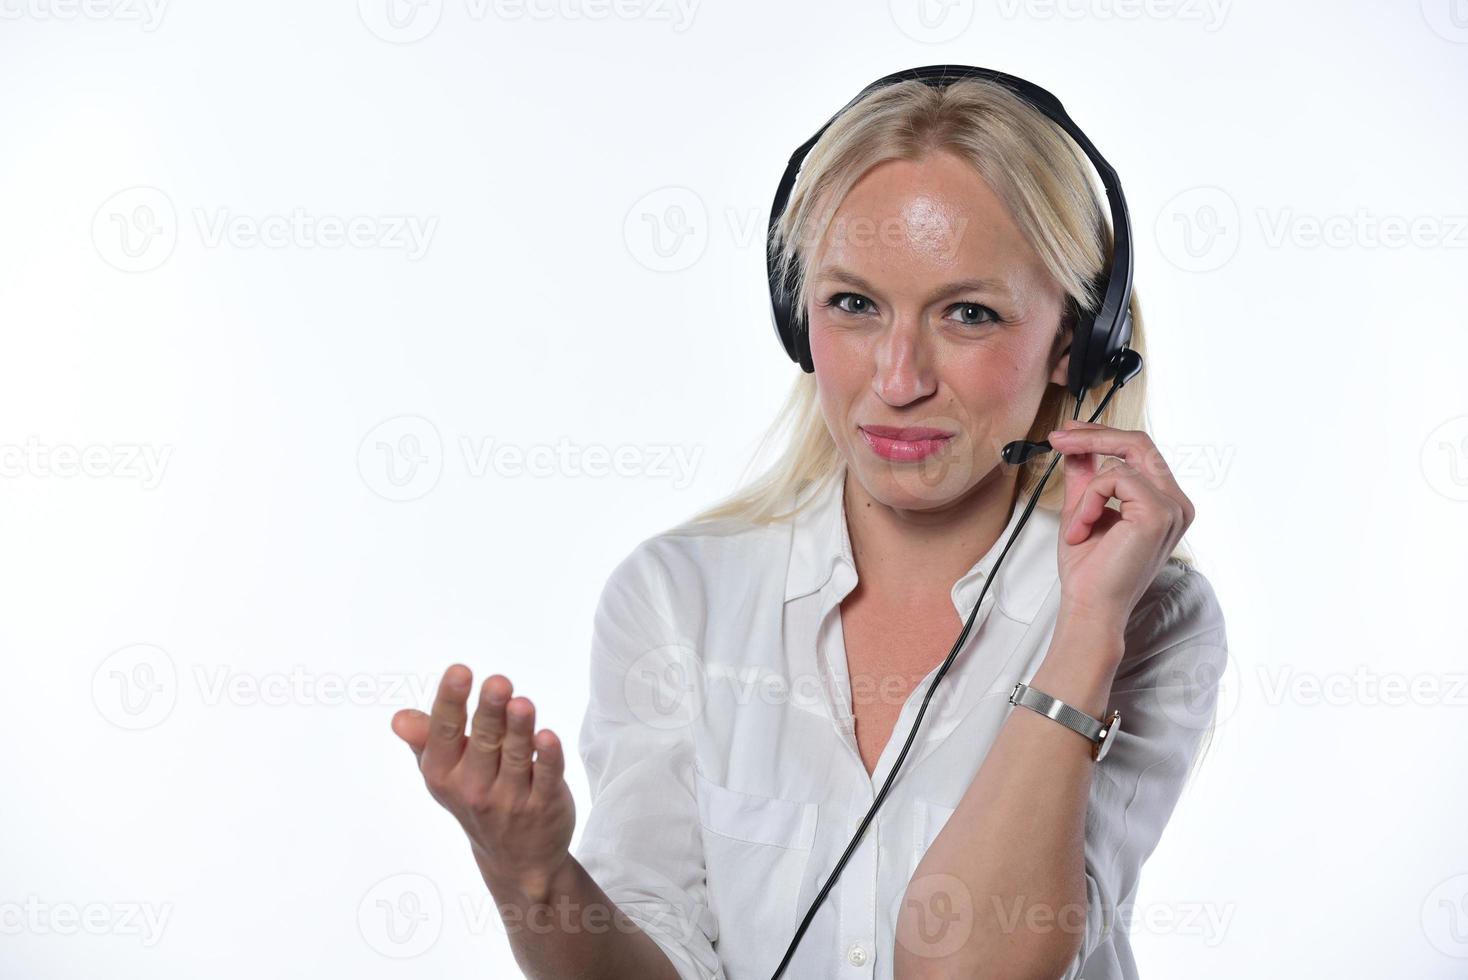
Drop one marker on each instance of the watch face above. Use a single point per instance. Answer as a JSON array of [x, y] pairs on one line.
[[1113, 725]]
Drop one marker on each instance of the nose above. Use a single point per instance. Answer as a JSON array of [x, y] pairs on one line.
[[903, 372]]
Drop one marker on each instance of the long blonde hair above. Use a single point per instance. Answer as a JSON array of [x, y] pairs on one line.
[[1044, 180]]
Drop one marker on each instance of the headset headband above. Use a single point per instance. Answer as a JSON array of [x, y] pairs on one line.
[[1098, 336]]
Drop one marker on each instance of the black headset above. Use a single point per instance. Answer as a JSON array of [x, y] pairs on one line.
[[1098, 352]]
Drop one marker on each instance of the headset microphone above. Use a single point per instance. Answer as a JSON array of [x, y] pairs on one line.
[[1127, 364]]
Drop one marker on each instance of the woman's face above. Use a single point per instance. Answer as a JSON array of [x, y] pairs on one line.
[[930, 311]]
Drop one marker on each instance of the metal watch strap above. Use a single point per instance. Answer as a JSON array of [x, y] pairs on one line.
[[1094, 730]]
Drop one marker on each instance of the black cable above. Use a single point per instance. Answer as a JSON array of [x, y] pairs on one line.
[[943, 669]]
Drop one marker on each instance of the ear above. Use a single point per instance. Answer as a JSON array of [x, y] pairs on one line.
[[1060, 358]]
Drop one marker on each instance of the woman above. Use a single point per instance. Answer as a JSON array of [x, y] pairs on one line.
[[755, 671]]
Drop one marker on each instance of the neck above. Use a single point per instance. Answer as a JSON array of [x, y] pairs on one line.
[[908, 555]]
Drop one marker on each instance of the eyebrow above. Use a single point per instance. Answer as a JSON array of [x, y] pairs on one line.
[[961, 286]]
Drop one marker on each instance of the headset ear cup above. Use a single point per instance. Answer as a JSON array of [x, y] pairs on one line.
[[1080, 354]]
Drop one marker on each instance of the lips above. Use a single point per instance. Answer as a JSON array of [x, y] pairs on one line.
[[911, 433], [904, 445]]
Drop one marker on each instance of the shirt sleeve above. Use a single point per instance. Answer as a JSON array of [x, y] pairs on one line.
[[641, 841], [1166, 689]]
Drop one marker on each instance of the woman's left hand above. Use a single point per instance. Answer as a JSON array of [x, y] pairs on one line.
[[1109, 557]]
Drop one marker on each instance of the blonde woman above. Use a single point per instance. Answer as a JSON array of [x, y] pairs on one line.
[[761, 671]]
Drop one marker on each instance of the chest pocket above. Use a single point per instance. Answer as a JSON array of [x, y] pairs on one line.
[[756, 849], [928, 822]]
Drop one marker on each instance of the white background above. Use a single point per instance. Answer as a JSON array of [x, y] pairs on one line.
[[238, 472]]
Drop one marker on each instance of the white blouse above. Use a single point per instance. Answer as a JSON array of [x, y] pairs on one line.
[[720, 744]]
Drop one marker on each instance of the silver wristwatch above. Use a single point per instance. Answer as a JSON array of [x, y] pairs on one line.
[[1101, 734]]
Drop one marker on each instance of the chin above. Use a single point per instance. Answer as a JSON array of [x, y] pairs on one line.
[[924, 484]]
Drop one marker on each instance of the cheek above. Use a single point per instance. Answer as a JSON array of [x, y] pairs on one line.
[[838, 359], [992, 378], [822, 342]]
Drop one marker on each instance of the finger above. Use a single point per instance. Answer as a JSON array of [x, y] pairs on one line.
[[550, 765], [488, 733], [515, 754], [1136, 447], [1080, 469], [411, 725], [1138, 497], [446, 724]]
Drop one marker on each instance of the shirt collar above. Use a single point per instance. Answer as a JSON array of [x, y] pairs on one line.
[[821, 541]]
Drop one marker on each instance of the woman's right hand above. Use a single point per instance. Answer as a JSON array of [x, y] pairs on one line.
[[517, 810]]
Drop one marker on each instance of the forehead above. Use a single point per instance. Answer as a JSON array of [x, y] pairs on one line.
[[936, 216]]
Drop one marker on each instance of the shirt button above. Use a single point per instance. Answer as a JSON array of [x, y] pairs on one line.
[[856, 955]]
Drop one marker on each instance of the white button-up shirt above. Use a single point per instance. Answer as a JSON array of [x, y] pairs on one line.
[[720, 743]]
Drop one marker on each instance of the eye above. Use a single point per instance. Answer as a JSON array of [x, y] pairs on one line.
[[859, 303], [978, 312]]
